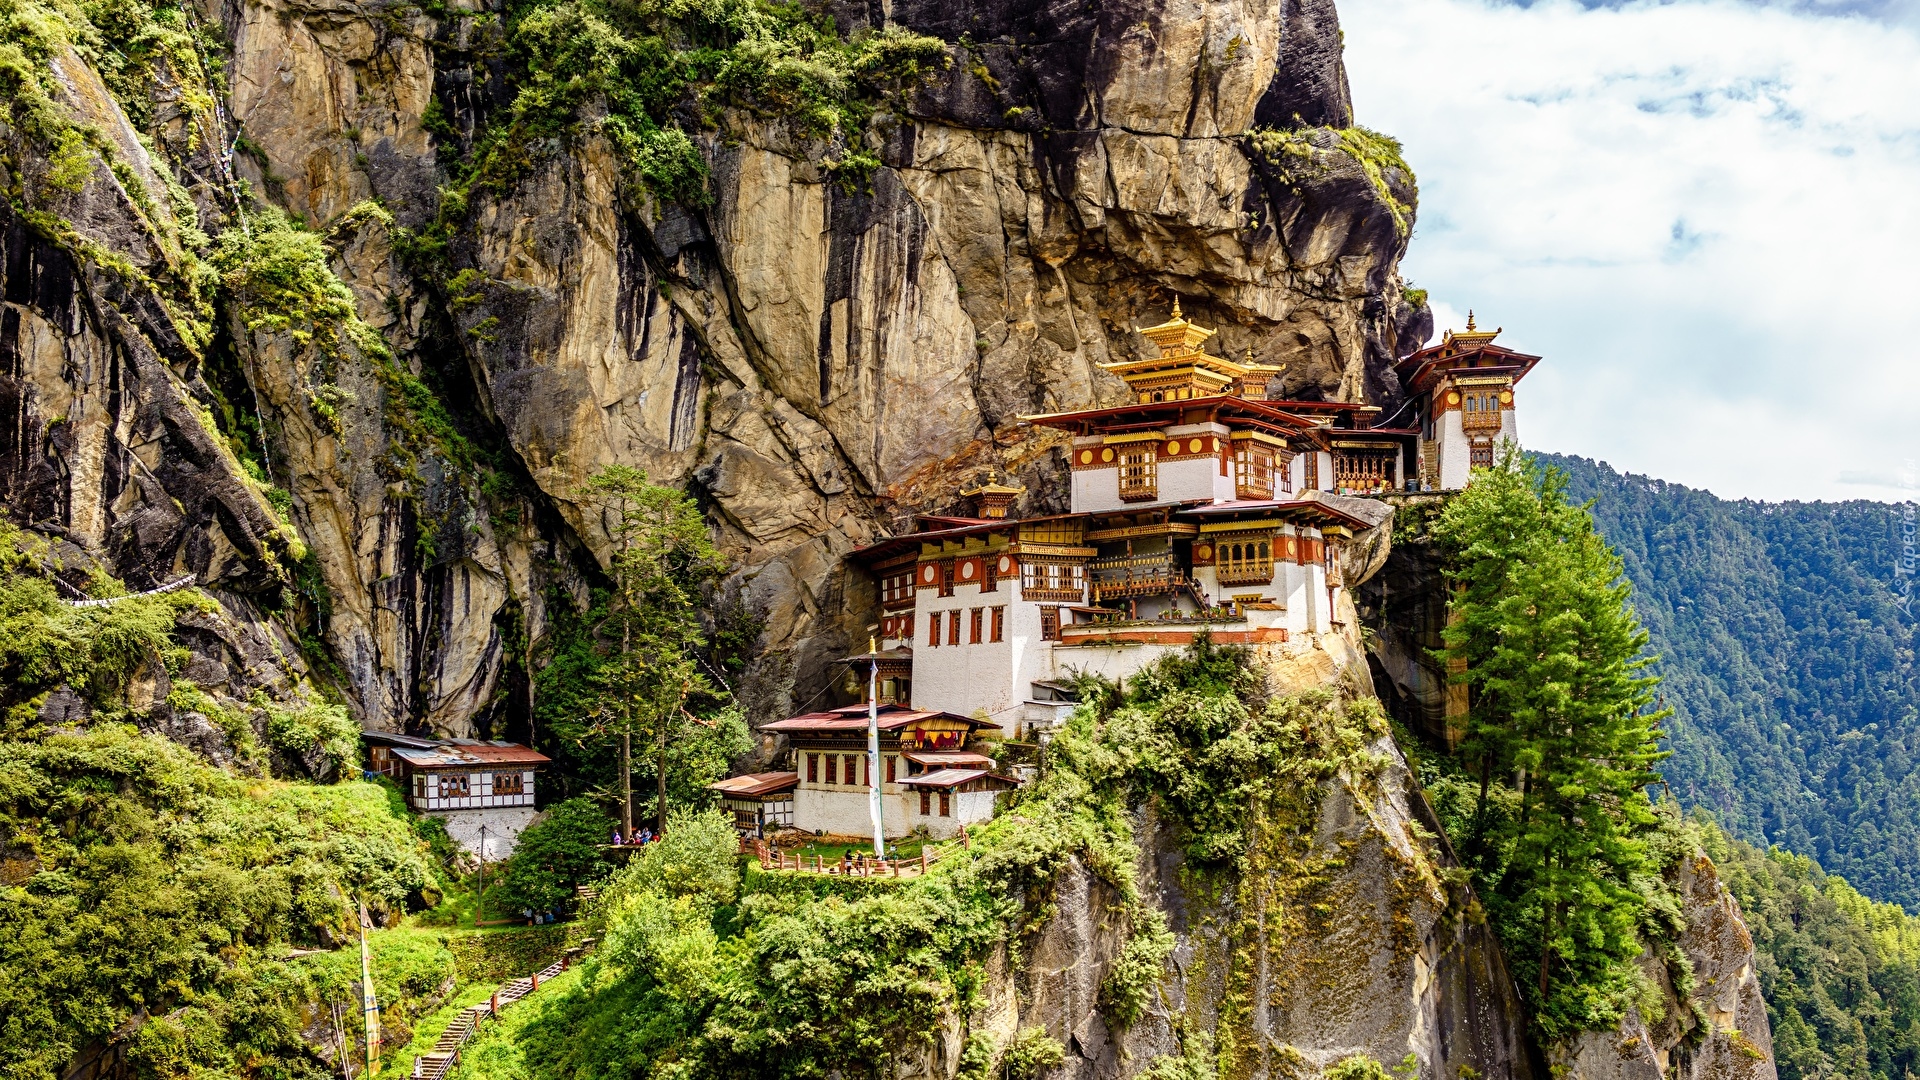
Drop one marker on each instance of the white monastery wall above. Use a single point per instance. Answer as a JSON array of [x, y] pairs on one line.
[[504, 826]]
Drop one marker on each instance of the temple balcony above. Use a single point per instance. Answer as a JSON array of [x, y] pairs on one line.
[[1120, 576]]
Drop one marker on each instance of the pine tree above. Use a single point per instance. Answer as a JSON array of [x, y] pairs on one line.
[[662, 559], [1544, 636]]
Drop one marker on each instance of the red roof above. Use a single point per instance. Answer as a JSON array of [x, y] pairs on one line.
[[949, 778], [469, 754], [1289, 508], [854, 718], [1420, 370], [757, 785], [948, 759]]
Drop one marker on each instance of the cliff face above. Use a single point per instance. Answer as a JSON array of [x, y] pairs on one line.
[[1348, 932], [817, 359]]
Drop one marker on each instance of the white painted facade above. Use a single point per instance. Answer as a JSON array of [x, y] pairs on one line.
[[968, 807], [989, 680], [503, 828], [1455, 446], [435, 791]]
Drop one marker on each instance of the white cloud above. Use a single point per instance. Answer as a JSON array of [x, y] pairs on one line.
[[1702, 213]]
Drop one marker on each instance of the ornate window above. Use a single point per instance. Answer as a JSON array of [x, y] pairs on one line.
[[1050, 624], [454, 787], [999, 624], [1048, 579], [953, 627], [976, 623], [1139, 481], [509, 783], [1253, 469], [933, 629], [1310, 474], [1244, 559], [813, 768], [946, 577], [1481, 457], [896, 588]]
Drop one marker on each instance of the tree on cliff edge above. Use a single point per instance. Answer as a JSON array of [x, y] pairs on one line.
[[1562, 735]]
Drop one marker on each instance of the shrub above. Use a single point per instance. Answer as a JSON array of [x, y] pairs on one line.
[[554, 856]]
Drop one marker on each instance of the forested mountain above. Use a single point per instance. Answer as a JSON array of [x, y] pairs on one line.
[[1788, 663]]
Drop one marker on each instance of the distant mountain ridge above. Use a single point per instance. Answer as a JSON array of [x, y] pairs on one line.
[[1789, 664]]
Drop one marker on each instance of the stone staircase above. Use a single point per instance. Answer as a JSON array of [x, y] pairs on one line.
[[436, 1063]]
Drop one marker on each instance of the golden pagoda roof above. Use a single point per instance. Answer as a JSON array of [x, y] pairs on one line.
[[1470, 336], [992, 486], [1183, 357], [1177, 334]]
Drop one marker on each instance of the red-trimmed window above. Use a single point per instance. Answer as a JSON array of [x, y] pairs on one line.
[[953, 627], [999, 624], [933, 628]]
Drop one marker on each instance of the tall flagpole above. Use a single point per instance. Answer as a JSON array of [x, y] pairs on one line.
[[873, 745]]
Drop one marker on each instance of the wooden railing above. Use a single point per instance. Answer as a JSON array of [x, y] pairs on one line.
[[850, 866], [1134, 575], [436, 1063]]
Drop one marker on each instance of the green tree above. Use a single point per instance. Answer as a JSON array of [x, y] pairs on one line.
[[1543, 635], [652, 630], [560, 852]]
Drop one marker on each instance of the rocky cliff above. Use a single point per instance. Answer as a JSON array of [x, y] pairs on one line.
[[817, 357], [271, 320]]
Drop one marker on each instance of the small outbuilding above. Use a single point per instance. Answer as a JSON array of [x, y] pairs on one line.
[[759, 802], [483, 791]]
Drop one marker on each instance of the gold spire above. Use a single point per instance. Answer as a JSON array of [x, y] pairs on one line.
[[1469, 320], [1176, 308]]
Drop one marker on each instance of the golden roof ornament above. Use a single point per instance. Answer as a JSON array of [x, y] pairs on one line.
[[992, 498], [1471, 336]]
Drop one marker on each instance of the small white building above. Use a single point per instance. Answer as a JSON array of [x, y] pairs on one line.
[[760, 803], [916, 747], [1461, 391], [483, 791]]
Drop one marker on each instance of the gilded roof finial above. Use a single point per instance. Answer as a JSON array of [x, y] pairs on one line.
[[1469, 320], [1176, 309]]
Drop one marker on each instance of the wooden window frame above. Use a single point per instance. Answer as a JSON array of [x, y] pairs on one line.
[[953, 627], [455, 786], [1243, 558], [976, 624], [933, 629], [926, 803], [946, 577], [1253, 469], [509, 783], [1480, 457], [892, 763], [946, 804], [813, 768], [1139, 471], [1049, 623], [990, 573], [999, 624], [1310, 472]]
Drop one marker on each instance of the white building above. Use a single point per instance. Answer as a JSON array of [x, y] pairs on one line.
[[1201, 506], [1462, 395], [929, 777], [483, 791]]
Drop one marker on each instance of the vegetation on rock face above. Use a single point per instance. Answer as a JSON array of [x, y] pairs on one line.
[[1306, 153], [702, 973], [1789, 665], [1561, 739]]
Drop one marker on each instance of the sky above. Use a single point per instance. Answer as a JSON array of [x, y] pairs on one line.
[[1704, 214]]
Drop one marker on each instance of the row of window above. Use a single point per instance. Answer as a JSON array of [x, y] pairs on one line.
[[460, 785], [851, 766], [984, 625]]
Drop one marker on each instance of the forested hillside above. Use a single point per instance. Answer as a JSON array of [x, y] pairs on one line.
[[1787, 662]]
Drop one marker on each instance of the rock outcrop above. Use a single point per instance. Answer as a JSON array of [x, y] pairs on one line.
[[818, 360]]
